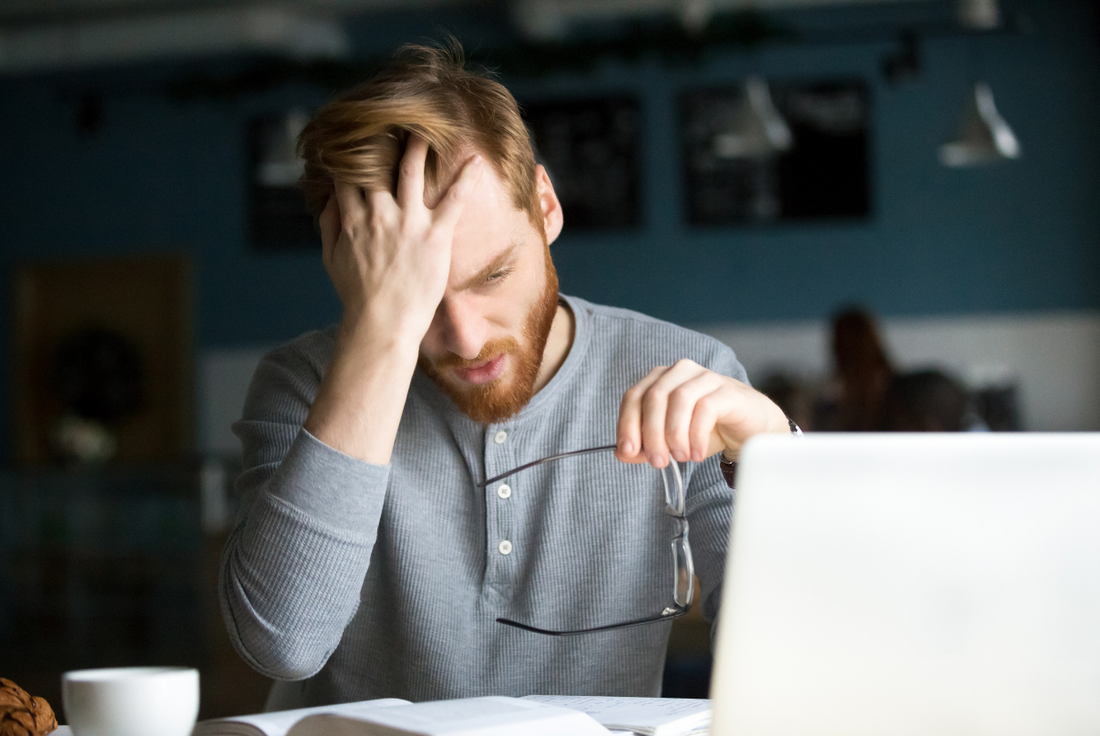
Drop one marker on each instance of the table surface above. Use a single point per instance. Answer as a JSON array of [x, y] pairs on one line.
[[62, 731]]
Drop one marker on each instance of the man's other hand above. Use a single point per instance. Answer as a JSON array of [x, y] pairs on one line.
[[389, 257], [686, 412]]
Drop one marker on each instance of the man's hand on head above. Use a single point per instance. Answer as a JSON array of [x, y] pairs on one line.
[[686, 412], [389, 257]]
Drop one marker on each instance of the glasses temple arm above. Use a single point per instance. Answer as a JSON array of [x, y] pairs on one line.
[[559, 456]]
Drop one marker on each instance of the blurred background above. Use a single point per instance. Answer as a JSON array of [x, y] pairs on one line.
[[889, 208]]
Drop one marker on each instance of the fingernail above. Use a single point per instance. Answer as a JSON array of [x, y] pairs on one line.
[[627, 447]]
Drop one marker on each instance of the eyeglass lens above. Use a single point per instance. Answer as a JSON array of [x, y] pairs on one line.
[[685, 570], [681, 550], [674, 489]]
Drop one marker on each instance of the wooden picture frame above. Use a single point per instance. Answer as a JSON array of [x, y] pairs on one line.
[[147, 302]]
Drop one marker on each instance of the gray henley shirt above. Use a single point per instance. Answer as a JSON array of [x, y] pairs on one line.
[[364, 581]]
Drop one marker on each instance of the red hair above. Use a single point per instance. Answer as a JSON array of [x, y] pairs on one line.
[[359, 137]]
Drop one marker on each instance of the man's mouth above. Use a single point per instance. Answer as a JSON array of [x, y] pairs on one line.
[[483, 373]]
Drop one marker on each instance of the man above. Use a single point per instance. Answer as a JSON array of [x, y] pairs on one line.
[[368, 561]]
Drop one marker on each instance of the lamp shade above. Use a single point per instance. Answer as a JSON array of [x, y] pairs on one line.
[[980, 15], [279, 164], [983, 135], [756, 129]]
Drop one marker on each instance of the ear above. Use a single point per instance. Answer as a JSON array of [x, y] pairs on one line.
[[552, 219]]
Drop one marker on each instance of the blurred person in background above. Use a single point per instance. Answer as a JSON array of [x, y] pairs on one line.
[[928, 401], [863, 373]]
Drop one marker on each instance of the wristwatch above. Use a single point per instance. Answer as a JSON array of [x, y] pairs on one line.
[[729, 467]]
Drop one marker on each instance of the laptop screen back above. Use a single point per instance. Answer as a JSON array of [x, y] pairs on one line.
[[911, 585]]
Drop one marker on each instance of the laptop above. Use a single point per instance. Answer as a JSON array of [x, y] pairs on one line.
[[913, 585]]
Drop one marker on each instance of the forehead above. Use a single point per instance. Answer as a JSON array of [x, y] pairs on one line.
[[489, 224]]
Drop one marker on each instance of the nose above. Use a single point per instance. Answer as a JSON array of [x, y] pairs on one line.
[[457, 329]]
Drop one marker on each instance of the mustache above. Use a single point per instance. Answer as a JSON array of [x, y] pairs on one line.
[[490, 350]]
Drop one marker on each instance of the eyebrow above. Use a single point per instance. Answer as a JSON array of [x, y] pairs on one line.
[[494, 265]]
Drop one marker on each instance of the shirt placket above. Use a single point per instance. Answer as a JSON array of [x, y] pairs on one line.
[[501, 548]]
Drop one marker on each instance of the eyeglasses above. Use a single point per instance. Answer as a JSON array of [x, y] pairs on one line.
[[683, 568]]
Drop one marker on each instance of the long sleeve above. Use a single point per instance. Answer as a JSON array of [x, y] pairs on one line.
[[293, 567]]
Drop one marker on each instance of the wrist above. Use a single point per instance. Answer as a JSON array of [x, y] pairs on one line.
[[381, 332], [728, 461], [778, 423]]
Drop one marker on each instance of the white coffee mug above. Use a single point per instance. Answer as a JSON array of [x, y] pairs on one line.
[[131, 701]]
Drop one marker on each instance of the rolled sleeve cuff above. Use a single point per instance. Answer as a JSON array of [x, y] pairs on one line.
[[337, 490]]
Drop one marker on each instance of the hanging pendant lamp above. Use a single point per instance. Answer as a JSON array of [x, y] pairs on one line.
[[979, 15], [983, 135], [756, 130], [279, 164]]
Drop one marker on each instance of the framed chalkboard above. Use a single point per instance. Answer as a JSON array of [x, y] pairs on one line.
[[590, 149], [825, 174]]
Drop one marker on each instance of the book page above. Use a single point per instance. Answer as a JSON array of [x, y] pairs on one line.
[[489, 716], [656, 716], [277, 723]]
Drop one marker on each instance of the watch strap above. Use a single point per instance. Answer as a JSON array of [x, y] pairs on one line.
[[729, 467]]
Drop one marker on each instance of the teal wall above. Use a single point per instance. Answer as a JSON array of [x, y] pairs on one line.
[[166, 175]]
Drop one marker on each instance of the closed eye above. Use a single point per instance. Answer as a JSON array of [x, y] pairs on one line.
[[498, 275]]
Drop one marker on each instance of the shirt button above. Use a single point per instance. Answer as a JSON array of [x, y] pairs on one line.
[[500, 436], [505, 547], [505, 490]]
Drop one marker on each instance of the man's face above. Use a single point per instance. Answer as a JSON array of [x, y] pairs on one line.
[[485, 344]]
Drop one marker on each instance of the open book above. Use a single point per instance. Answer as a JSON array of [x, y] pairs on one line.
[[537, 715], [647, 716], [277, 723]]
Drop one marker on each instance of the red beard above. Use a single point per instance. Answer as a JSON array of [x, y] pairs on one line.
[[499, 399]]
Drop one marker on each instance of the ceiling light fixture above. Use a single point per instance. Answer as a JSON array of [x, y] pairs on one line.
[[757, 130], [983, 135], [279, 164], [979, 15]]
